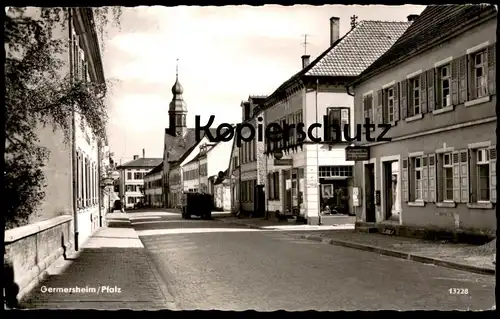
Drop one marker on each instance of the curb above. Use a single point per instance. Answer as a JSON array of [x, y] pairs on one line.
[[238, 224], [404, 255], [170, 303]]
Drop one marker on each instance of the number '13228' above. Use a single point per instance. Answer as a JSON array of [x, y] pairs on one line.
[[458, 291]]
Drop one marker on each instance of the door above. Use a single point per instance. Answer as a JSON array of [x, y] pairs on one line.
[[370, 192], [387, 189], [287, 186]]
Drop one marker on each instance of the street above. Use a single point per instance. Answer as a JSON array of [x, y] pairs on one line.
[[215, 265]]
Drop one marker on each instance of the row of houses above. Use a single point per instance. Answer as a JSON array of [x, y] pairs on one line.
[[76, 195], [428, 85]]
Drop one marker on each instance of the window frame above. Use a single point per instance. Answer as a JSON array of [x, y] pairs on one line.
[[477, 168], [412, 89], [474, 67], [416, 170], [445, 178], [340, 110], [440, 86]]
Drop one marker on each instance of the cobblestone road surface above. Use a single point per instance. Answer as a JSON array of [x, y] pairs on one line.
[[214, 265]]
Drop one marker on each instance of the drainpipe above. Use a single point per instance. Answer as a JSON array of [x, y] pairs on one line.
[[73, 139], [99, 178], [317, 157], [347, 87]]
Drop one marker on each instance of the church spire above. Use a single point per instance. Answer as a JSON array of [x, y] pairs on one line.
[[177, 111], [177, 70]]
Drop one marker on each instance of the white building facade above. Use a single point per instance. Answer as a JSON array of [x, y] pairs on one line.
[[132, 179], [305, 176], [153, 190]]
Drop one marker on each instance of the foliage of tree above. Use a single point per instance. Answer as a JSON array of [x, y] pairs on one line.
[[39, 92]]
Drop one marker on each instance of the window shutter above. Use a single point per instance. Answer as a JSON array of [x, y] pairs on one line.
[[396, 102], [423, 93], [456, 177], [462, 79], [491, 55], [454, 82], [331, 120], [493, 174], [365, 107], [431, 165], [425, 179], [404, 179], [464, 176], [403, 103], [470, 76], [431, 99], [371, 107], [378, 109]]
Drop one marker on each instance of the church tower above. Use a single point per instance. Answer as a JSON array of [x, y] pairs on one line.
[[177, 111]]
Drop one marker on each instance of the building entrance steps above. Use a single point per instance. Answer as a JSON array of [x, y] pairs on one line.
[[111, 271]]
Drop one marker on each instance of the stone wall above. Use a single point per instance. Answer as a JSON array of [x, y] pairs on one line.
[[30, 250]]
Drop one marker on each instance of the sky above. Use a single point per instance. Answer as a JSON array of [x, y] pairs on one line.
[[225, 54]]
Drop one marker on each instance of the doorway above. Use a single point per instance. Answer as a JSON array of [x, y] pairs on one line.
[[390, 205], [387, 189], [370, 192]]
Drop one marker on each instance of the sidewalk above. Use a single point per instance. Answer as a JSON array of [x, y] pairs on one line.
[[457, 256], [112, 271]]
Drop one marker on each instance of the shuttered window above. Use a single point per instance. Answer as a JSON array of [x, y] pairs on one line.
[[432, 193], [405, 179], [368, 109], [443, 87]]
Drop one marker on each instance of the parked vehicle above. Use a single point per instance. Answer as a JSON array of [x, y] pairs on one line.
[[196, 204], [139, 205], [117, 205]]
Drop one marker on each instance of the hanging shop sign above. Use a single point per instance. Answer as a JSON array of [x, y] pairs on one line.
[[357, 153]]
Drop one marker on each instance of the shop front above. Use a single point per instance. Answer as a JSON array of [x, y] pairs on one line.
[[294, 188], [335, 184]]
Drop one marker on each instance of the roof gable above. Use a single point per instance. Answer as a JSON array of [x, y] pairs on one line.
[[178, 147], [155, 170], [142, 162], [352, 53], [434, 23], [359, 48]]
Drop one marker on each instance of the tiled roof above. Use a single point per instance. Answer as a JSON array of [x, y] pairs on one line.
[[358, 48], [142, 162], [199, 155], [433, 24], [155, 170], [176, 150], [352, 53]]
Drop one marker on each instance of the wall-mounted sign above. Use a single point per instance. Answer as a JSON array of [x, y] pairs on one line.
[[357, 153], [283, 162], [377, 198]]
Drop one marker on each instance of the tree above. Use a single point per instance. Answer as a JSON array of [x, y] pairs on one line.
[[37, 93]]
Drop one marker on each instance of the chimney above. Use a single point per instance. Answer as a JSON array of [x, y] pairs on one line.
[[143, 152], [412, 17], [334, 29], [136, 157], [305, 61]]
